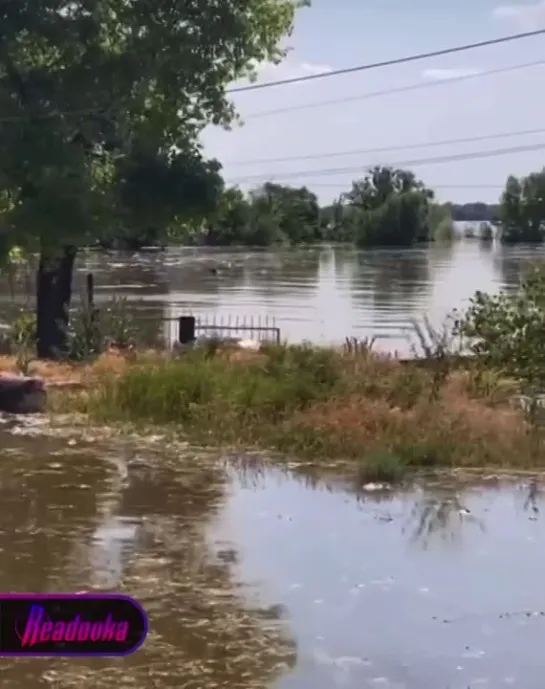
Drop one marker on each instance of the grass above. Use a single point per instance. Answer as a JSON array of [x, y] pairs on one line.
[[384, 416]]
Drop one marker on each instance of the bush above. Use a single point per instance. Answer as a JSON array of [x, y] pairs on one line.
[[506, 331]]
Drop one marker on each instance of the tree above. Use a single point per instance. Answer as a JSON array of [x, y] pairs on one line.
[[388, 207], [522, 209], [158, 192], [269, 214], [473, 212], [294, 211], [89, 88], [228, 225], [440, 223]]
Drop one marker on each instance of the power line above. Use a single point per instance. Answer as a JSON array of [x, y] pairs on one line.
[[389, 149], [307, 106], [389, 63], [335, 185], [412, 163], [388, 92]]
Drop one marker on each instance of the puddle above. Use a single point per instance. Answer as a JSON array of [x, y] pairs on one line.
[[428, 590]]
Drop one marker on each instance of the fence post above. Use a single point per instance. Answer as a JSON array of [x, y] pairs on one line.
[[186, 329], [90, 290]]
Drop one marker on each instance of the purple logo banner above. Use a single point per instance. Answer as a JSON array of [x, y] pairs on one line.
[[70, 624]]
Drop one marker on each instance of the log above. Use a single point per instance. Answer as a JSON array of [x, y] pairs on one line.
[[21, 395]]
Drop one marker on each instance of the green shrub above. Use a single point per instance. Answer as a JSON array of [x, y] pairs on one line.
[[506, 330]]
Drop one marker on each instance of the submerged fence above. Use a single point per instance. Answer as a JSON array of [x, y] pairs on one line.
[[188, 328]]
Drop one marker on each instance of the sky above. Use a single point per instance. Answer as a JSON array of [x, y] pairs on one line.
[[442, 99]]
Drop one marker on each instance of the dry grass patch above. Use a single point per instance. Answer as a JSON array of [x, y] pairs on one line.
[[314, 401]]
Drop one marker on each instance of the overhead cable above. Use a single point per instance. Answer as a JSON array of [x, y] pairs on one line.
[[388, 63]]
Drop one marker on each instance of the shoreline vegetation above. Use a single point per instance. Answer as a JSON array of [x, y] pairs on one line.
[[374, 416], [377, 416], [381, 418]]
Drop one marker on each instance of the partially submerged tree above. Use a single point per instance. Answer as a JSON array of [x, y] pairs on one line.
[[94, 97], [388, 207], [522, 209]]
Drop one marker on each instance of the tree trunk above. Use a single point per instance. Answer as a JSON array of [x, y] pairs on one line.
[[53, 295]]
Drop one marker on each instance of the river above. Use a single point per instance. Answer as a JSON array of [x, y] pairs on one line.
[[318, 294], [253, 577]]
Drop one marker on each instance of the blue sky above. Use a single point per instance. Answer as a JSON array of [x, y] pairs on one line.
[[333, 35]]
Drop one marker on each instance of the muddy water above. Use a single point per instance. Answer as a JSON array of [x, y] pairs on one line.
[[262, 579], [318, 294], [83, 515]]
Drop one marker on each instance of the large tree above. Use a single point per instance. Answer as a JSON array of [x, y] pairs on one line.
[[522, 209], [272, 213], [98, 95], [388, 207]]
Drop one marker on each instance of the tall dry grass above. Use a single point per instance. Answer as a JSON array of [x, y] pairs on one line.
[[320, 403]]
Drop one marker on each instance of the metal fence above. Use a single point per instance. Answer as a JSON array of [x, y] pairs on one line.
[[188, 328]]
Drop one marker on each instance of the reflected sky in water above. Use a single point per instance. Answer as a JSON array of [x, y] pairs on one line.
[[321, 294], [265, 579], [429, 589]]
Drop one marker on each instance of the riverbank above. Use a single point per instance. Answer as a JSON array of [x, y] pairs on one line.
[[382, 417]]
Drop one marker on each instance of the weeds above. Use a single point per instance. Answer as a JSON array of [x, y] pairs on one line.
[[387, 417], [22, 336], [437, 348], [90, 333], [382, 466]]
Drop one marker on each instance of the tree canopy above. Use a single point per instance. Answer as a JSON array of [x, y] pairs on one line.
[[101, 105], [522, 209], [387, 207]]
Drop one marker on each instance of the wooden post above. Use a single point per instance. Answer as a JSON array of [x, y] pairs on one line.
[[90, 291], [186, 329]]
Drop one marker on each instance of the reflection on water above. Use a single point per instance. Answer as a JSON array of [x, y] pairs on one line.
[[266, 579], [93, 515], [435, 588], [321, 294]]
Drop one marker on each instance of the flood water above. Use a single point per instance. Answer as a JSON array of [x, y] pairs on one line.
[[318, 294], [259, 578]]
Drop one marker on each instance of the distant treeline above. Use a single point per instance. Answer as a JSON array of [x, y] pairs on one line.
[[474, 212], [387, 207]]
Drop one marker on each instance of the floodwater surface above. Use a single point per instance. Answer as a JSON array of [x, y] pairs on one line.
[[318, 294], [82, 514], [262, 578], [436, 588]]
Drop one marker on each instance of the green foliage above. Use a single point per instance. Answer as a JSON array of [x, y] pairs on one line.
[[199, 385], [92, 330], [506, 330], [382, 466], [22, 340], [388, 207], [440, 223], [95, 95], [22, 331], [270, 214], [90, 333], [522, 209], [315, 402]]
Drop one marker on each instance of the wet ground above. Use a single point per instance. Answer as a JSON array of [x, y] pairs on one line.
[[259, 578]]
